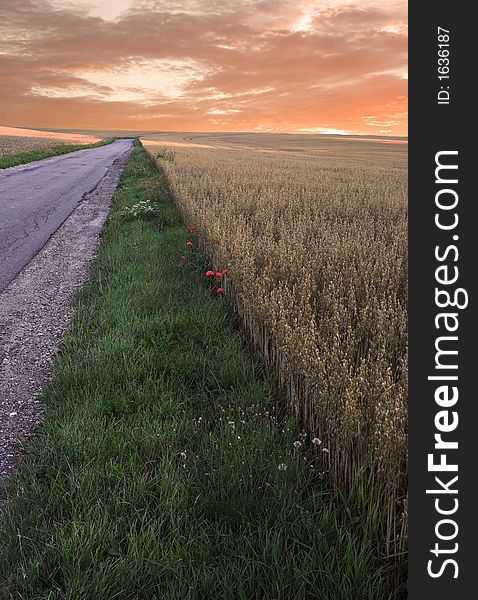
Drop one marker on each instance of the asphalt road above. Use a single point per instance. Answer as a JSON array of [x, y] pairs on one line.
[[35, 199]]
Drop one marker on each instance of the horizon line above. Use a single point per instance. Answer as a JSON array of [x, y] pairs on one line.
[[289, 132]]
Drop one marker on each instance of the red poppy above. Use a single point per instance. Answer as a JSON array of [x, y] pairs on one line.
[[220, 290], [218, 274], [209, 273], [189, 243], [183, 257], [192, 229], [225, 271]]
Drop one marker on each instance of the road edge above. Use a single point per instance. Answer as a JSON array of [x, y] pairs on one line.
[[36, 309]]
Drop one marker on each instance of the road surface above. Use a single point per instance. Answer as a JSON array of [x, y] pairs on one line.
[[36, 307], [36, 198]]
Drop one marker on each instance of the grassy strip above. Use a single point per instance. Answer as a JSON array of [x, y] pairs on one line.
[[160, 470], [21, 158]]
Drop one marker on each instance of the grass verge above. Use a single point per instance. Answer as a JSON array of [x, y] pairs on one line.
[[160, 470], [21, 158]]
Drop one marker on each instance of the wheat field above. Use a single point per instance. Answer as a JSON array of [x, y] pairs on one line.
[[314, 232], [16, 139]]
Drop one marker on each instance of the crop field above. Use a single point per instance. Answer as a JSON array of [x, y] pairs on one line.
[[101, 133], [313, 230], [14, 140], [390, 152]]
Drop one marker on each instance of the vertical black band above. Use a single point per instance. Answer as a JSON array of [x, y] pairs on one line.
[[443, 260]]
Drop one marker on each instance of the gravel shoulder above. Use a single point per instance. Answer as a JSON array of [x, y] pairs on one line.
[[35, 309]]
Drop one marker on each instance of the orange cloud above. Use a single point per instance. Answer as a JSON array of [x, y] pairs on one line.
[[289, 65]]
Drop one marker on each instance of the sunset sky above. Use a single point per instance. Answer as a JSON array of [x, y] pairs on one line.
[[204, 65]]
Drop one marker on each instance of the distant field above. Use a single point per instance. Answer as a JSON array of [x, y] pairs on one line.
[[103, 133], [314, 231], [15, 139], [388, 152]]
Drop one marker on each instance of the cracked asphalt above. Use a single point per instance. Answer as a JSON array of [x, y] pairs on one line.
[[36, 198], [64, 202]]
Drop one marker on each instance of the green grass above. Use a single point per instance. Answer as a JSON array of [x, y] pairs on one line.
[[156, 471], [21, 158]]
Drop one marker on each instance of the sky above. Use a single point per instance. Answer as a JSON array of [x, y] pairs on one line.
[[326, 66]]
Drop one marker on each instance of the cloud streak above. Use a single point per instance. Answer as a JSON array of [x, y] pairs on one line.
[[206, 65]]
